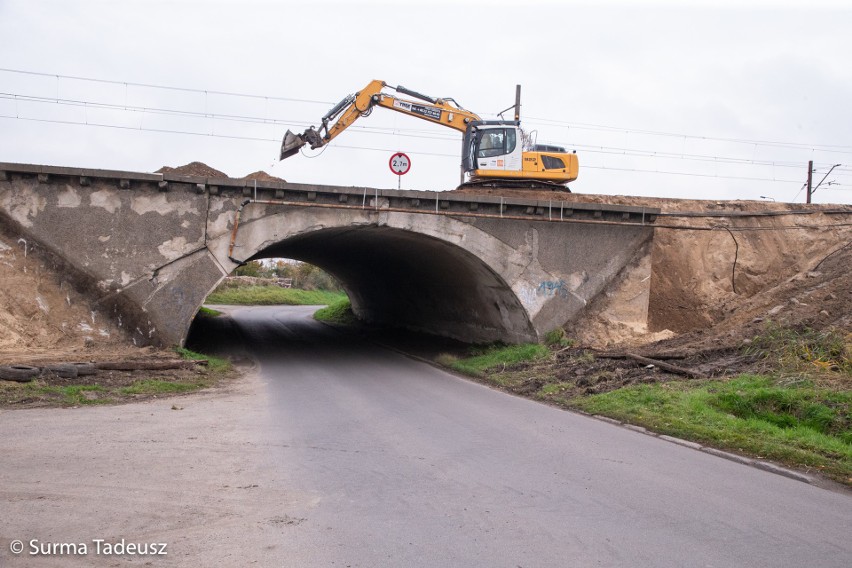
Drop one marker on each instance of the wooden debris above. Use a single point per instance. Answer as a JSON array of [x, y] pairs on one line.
[[146, 365], [656, 362]]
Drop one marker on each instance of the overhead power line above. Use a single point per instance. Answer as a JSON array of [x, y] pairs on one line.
[[841, 149], [95, 105], [163, 87], [213, 117], [681, 156], [369, 148], [87, 104], [844, 149]]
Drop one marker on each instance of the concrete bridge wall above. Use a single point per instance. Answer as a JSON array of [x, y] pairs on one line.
[[151, 247]]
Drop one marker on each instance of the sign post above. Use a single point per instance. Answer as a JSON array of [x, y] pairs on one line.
[[400, 164]]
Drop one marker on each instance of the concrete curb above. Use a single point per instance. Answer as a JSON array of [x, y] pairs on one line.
[[759, 464], [686, 443], [792, 474], [606, 419], [728, 456]]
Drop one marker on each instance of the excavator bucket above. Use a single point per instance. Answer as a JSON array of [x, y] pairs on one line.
[[291, 145]]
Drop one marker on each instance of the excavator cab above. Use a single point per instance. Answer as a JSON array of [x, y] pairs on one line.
[[499, 148], [493, 154], [492, 145]]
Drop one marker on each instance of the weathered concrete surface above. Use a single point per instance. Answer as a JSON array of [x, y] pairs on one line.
[[152, 246]]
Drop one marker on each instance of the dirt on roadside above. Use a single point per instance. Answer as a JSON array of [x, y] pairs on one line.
[[45, 321]]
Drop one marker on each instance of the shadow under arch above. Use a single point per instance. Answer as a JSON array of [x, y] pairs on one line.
[[401, 278]]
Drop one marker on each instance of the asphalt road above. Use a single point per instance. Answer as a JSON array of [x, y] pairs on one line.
[[411, 466], [339, 453]]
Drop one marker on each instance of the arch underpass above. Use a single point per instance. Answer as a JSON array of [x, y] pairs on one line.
[[399, 278], [150, 248]]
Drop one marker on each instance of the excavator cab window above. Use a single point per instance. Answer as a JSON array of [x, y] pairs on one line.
[[496, 142]]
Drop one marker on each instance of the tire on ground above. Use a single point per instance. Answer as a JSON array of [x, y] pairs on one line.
[[63, 370], [84, 369], [19, 373]]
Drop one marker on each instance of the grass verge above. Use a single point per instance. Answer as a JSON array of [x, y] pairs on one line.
[[273, 295], [205, 312], [338, 312], [797, 424], [791, 404], [109, 387], [496, 357], [214, 364]]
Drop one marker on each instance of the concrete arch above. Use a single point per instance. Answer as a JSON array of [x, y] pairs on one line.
[[148, 248], [446, 280]]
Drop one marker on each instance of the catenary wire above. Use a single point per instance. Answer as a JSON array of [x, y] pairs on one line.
[[396, 131], [352, 147], [577, 125], [163, 87]]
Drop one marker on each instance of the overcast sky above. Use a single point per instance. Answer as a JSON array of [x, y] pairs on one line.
[[706, 100]]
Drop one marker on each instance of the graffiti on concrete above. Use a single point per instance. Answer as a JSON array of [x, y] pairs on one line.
[[556, 288], [528, 296]]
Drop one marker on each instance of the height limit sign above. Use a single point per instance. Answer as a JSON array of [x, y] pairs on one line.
[[400, 164]]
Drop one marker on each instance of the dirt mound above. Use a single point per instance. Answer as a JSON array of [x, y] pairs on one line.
[[201, 169], [717, 265], [818, 298], [261, 175], [193, 169], [42, 318]]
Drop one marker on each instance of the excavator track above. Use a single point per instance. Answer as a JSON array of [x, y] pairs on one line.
[[498, 183]]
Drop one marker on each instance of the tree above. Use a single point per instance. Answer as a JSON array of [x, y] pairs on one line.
[[254, 268]]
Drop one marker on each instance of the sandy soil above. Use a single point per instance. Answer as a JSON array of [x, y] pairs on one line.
[[43, 317]]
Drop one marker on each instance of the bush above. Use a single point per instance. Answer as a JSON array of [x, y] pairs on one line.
[[557, 337]]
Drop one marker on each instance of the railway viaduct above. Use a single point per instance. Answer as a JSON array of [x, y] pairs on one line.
[[150, 247]]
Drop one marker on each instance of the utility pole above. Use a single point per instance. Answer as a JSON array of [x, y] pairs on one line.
[[517, 102], [810, 178]]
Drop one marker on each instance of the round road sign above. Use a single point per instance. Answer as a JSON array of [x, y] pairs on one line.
[[400, 164]]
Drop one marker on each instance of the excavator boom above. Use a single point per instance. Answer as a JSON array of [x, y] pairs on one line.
[[441, 111]]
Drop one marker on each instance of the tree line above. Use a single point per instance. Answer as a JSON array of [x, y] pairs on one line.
[[303, 275]]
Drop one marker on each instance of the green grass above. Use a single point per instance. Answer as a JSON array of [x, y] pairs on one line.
[[798, 424], [208, 312], [107, 388], [215, 364], [495, 357], [69, 395], [339, 312], [272, 295], [797, 411], [804, 350], [153, 386]]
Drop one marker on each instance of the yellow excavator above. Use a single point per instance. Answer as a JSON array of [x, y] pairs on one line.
[[493, 152]]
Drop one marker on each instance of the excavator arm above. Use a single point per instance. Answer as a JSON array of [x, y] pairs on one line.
[[445, 112]]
